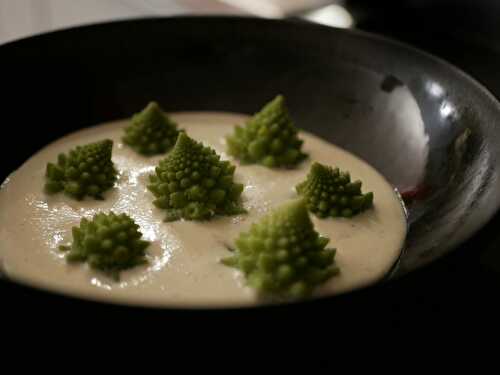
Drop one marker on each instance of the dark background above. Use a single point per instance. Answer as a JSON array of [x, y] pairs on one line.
[[458, 291]]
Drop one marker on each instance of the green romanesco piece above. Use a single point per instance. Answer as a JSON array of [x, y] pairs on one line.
[[282, 255], [269, 138], [193, 183], [330, 192], [151, 132], [84, 171], [109, 243]]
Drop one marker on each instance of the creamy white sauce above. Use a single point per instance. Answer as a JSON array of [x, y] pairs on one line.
[[184, 268]]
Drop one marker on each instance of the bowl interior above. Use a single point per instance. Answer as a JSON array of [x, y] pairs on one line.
[[423, 124]]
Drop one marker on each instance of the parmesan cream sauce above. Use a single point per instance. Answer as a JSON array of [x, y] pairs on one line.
[[184, 267]]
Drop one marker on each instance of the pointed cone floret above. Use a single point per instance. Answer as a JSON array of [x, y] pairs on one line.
[[151, 132], [282, 255], [330, 192], [193, 183], [84, 171], [269, 138], [109, 243]]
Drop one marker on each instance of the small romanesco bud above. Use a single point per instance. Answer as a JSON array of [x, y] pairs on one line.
[[109, 243], [193, 183], [269, 138], [282, 255], [151, 132], [86, 170], [330, 192]]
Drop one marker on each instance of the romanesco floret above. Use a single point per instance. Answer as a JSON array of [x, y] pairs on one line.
[[330, 192], [269, 138], [109, 243], [151, 132], [193, 183], [282, 255], [84, 171]]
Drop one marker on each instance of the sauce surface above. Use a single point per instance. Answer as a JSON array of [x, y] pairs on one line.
[[184, 268]]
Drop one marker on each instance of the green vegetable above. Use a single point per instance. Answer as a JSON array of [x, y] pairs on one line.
[[109, 243], [282, 255], [269, 138], [86, 170], [193, 183], [330, 192], [151, 132]]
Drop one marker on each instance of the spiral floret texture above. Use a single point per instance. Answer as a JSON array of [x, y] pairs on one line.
[[151, 131], [329, 192], [270, 138], [282, 255], [85, 171], [109, 243], [194, 184]]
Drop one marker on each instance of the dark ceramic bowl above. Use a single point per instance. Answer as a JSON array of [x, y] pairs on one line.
[[428, 127]]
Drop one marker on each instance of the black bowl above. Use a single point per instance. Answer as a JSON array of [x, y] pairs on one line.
[[425, 125]]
